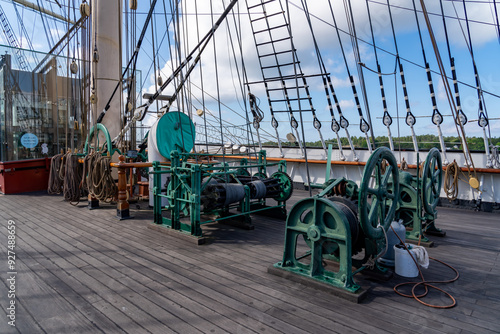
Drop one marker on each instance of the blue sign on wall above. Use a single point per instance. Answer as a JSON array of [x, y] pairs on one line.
[[29, 140]]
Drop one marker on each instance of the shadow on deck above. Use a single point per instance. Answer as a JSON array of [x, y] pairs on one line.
[[81, 271]]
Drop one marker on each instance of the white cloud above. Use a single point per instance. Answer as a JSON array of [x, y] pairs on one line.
[[326, 38], [346, 103]]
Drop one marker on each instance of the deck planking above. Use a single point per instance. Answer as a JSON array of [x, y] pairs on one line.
[[84, 271]]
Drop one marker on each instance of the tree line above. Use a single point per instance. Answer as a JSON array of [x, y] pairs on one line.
[[424, 142]]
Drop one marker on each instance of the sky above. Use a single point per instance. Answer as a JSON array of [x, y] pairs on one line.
[[485, 45], [222, 71]]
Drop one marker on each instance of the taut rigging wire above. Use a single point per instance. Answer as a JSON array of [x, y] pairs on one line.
[[217, 85], [393, 54], [482, 112], [132, 59], [437, 117], [154, 56], [250, 138], [199, 47], [274, 122], [201, 79], [297, 64], [344, 123], [327, 82], [298, 68], [364, 126], [496, 18], [386, 119], [451, 101], [410, 118], [460, 119]]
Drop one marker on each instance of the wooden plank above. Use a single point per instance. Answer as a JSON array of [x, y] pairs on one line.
[[228, 276], [61, 316], [241, 329], [130, 301]]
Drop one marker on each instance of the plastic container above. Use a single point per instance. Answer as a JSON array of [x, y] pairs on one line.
[[392, 239], [404, 264]]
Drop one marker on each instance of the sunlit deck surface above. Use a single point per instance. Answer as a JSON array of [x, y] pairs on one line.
[[82, 271]]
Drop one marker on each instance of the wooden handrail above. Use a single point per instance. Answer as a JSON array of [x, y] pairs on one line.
[[351, 163]]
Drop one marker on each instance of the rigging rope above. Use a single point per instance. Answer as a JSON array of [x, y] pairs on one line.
[[132, 59], [317, 124], [98, 180], [363, 126], [482, 113], [344, 123], [55, 181], [410, 118], [72, 179], [496, 17], [454, 107], [250, 137], [201, 79], [386, 119], [217, 84], [437, 117], [327, 82]]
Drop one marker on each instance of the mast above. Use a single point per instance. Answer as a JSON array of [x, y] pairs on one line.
[[105, 73]]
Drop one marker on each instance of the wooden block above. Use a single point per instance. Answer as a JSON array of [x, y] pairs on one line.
[[309, 282], [177, 234]]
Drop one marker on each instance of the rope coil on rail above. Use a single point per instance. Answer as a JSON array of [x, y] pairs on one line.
[[72, 178], [98, 180], [55, 185], [451, 181]]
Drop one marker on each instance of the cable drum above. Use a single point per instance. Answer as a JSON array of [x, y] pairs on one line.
[[234, 193], [257, 189], [208, 181], [349, 209]]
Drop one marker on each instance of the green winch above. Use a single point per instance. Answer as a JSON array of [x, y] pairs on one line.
[[348, 229]]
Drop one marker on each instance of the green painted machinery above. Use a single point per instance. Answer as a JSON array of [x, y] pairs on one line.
[[419, 198], [105, 148], [348, 230], [201, 191]]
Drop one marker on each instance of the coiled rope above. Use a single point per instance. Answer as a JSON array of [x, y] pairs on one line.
[[72, 179], [426, 284], [451, 181], [495, 156], [98, 180], [55, 185]]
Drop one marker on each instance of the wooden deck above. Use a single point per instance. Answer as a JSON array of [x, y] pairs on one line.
[[81, 271]]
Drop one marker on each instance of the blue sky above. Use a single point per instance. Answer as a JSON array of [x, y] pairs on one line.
[[485, 46]]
